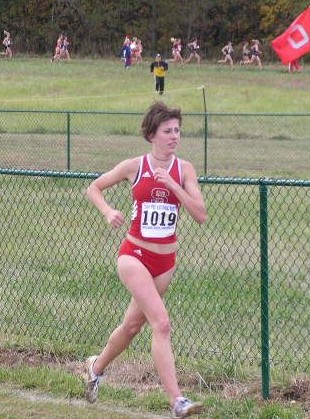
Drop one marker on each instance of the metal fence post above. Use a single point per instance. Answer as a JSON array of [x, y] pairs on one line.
[[68, 143], [206, 132], [263, 189]]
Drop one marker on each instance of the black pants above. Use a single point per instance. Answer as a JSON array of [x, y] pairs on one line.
[[159, 84]]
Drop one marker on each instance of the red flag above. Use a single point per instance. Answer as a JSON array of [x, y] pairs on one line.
[[295, 41]]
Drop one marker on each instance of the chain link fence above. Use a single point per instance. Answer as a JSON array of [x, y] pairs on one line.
[[239, 296], [236, 145], [240, 293]]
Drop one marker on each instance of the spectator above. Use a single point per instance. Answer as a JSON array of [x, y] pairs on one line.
[[159, 68]]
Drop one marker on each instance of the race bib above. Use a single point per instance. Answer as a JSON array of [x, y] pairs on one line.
[[158, 219]]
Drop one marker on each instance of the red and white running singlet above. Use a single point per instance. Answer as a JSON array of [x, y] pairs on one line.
[[155, 208]]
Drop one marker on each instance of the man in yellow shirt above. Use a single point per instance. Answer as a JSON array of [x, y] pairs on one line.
[[159, 68]]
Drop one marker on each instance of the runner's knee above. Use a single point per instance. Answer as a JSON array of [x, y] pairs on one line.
[[131, 329]]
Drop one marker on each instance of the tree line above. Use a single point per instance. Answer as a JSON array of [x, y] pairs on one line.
[[97, 27]]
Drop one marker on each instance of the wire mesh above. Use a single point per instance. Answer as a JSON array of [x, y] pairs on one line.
[[58, 280]]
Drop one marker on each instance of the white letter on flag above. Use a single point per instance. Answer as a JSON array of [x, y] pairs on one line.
[[303, 33]]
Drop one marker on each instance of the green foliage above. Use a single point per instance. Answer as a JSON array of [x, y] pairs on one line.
[[276, 16], [98, 28]]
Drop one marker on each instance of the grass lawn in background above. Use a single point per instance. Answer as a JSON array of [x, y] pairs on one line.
[[104, 84], [39, 381]]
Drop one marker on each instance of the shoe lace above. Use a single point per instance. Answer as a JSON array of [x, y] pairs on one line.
[[95, 382], [94, 378]]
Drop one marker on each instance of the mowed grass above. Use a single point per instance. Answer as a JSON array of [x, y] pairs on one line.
[[248, 145], [86, 84], [58, 257]]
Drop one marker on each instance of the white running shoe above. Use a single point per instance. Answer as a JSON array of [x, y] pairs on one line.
[[92, 380], [183, 408]]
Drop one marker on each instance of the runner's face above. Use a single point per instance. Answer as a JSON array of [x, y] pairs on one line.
[[167, 136]]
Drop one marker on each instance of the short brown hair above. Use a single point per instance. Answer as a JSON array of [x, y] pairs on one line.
[[158, 113]]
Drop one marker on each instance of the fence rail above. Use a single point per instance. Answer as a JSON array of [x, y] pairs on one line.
[[240, 291], [219, 144]]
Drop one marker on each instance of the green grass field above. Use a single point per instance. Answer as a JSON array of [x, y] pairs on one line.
[[252, 143], [58, 256], [35, 83]]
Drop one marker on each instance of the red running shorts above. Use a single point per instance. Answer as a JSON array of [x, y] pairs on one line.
[[157, 264]]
